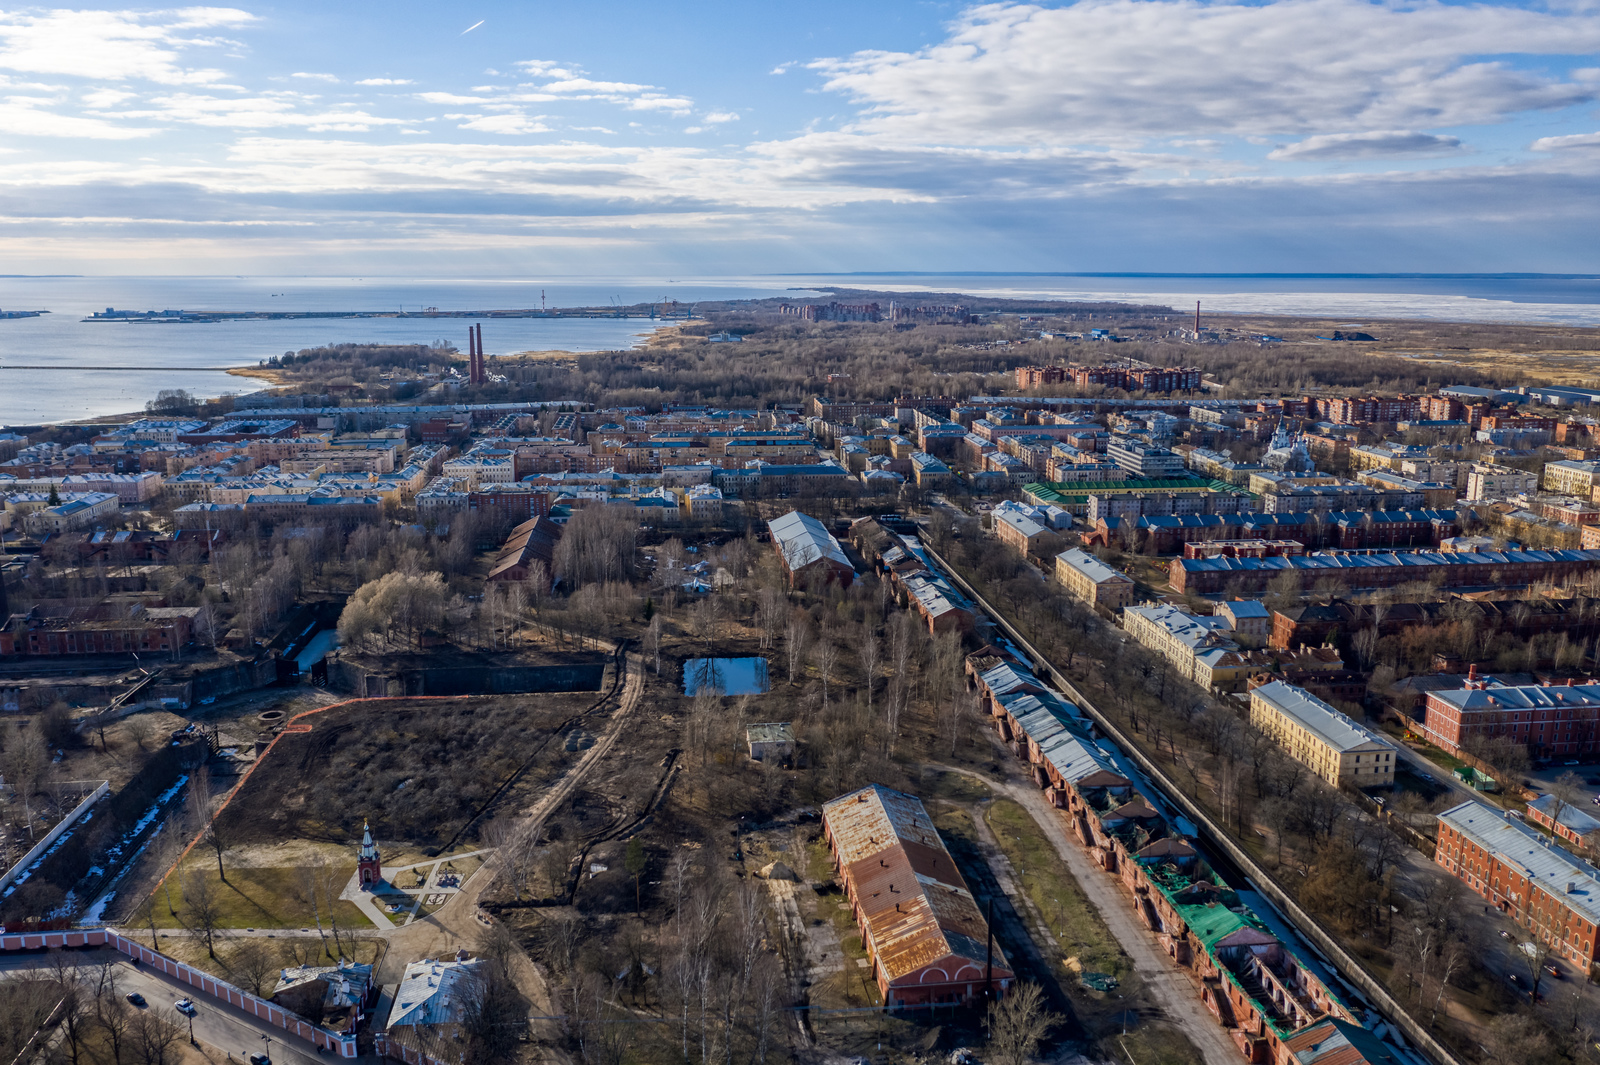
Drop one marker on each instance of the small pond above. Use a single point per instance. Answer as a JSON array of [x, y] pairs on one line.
[[730, 676]]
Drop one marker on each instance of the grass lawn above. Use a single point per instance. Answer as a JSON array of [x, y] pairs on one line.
[[1073, 921], [281, 952], [253, 897], [1086, 944]]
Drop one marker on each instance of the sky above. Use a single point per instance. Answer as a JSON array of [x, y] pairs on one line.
[[734, 138]]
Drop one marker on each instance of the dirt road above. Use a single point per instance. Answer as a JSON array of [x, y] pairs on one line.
[[457, 923]]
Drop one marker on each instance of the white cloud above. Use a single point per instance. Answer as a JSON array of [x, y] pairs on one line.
[[1379, 144], [19, 117], [782, 68], [114, 45], [315, 77], [694, 129], [385, 81], [449, 98], [1105, 71], [1570, 141], [509, 124], [677, 105], [722, 116], [264, 111], [100, 99], [545, 68]]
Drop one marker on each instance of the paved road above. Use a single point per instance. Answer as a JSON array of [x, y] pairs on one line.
[[1170, 989], [1424, 768], [218, 1026]]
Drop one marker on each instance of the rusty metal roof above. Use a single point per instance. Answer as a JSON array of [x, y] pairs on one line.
[[914, 905]]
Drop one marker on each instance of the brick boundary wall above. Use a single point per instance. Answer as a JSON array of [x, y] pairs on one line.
[[55, 833], [342, 1045], [293, 725], [1348, 967]]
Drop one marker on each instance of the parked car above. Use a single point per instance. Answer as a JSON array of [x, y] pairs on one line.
[[260, 1059], [135, 998], [183, 1005], [1506, 935], [1550, 968]]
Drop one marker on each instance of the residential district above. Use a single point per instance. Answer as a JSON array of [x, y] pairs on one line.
[[1147, 726]]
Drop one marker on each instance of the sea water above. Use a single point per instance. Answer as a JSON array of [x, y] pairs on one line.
[[171, 355]]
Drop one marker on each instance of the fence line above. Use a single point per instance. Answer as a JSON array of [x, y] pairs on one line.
[[342, 1044], [1348, 967]]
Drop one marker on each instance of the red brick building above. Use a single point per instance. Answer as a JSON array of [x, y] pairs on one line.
[[925, 937], [1553, 722], [98, 631], [1546, 890]]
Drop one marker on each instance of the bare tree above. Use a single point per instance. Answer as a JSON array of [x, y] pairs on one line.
[[202, 911], [254, 967], [797, 634], [216, 837], [771, 606], [652, 642], [870, 651], [75, 998], [1535, 954], [1018, 1024], [516, 853], [111, 1014], [308, 879], [154, 1037], [1514, 1039], [827, 656], [145, 913]]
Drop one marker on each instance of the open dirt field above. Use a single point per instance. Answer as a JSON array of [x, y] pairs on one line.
[[418, 769]]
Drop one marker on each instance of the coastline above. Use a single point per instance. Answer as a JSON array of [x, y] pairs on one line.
[[274, 377]]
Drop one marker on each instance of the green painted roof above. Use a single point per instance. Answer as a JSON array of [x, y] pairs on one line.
[[1214, 922], [1050, 491]]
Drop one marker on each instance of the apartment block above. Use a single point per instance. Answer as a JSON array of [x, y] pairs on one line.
[[1319, 737], [1088, 579]]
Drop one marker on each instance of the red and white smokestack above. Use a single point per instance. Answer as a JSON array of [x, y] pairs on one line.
[[1197, 319]]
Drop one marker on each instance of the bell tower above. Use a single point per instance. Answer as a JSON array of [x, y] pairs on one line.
[[369, 866]]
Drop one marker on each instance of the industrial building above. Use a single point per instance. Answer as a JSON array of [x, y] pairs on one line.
[[809, 551], [926, 939]]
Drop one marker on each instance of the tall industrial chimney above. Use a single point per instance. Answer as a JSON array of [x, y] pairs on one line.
[[1197, 319]]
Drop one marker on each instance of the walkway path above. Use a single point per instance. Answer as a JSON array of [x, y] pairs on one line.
[[459, 922], [368, 902], [1168, 987]]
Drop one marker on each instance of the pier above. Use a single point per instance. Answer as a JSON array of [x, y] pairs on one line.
[[171, 317]]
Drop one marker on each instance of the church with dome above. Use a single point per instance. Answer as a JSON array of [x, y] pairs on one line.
[[1288, 452]]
